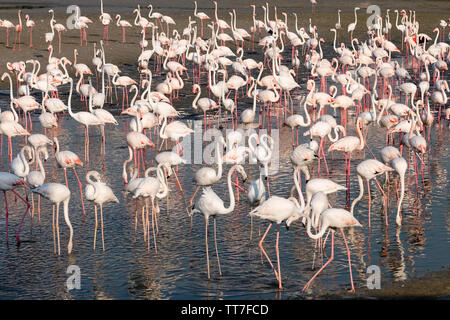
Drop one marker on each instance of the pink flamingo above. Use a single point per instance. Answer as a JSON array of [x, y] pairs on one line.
[[369, 169], [11, 127], [207, 176], [277, 209], [137, 140], [348, 144], [210, 204], [204, 103], [18, 30], [68, 159], [9, 182], [124, 82], [106, 19], [333, 218], [7, 24], [123, 24], [201, 15], [30, 24], [85, 118], [57, 193]]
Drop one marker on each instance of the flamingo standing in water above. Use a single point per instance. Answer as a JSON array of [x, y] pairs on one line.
[[348, 144], [106, 19], [124, 82], [201, 15], [30, 24], [50, 35], [7, 25], [37, 178], [9, 182], [277, 209], [18, 30], [68, 159], [103, 115], [99, 193], [207, 176], [352, 26], [59, 28], [11, 127], [400, 165], [85, 118], [175, 130], [210, 204], [369, 169], [123, 24], [136, 140], [204, 103], [81, 23], [333, 218], [296, 120], [57, 193]]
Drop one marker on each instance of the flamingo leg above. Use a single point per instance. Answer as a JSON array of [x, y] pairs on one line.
[[101, 221], [96, 225], [192, 199], [57, 228], [53, 227], [323, 267], [59, 41], [385, 200], [215, 244], [368, 191], [260, 244], [81, 190], [23, 217], [7, 214], [349, 260], [206, 244], [65, 176], [278, 257], [178, 180]]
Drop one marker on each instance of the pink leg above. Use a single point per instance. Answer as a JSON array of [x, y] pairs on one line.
[[278, 258], [264, 251], [385, 200], [368, 190], [65, 176], [7, 214], [23, 217], [326, 263], [349, 260], [81, 190], [59, 41]]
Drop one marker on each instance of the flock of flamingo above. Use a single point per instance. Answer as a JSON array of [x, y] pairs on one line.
[[374, 82]]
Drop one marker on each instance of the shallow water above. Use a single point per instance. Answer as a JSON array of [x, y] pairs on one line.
[[128, 270]]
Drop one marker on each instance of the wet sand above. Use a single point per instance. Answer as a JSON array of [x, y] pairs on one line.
[[431, 285]]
